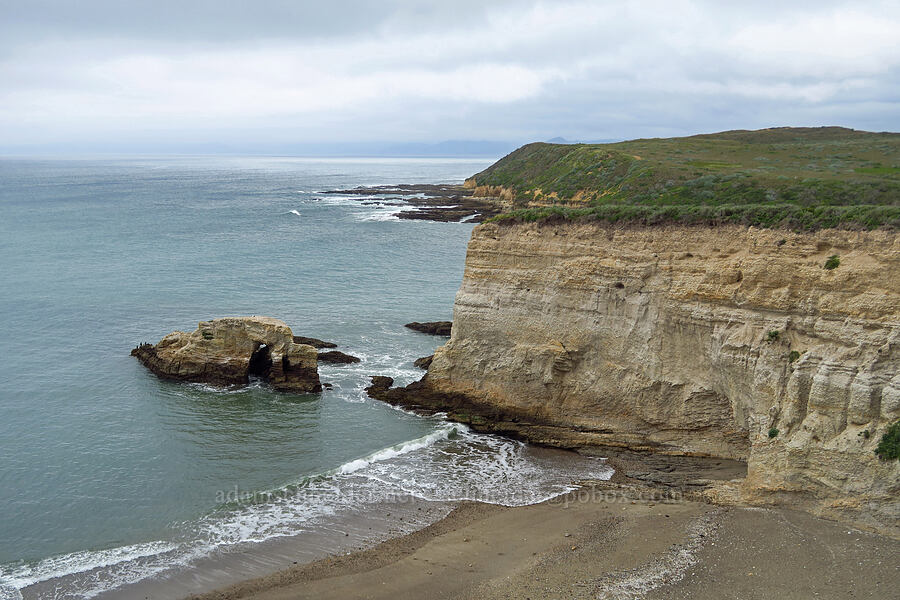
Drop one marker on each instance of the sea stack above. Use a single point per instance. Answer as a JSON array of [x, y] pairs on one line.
[[228, 351]]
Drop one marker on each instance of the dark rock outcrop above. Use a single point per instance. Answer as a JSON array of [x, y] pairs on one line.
[[335, 356], [314, 342], [228, 351], [424, 362], [435, 202], [380, 384], [432, 327], [422, 398]]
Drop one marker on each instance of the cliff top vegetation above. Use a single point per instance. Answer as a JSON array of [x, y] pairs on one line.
[[796, 178]]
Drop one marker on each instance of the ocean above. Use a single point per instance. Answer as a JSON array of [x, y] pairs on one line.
[[113, 481]]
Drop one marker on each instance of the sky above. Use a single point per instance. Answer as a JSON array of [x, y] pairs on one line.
[[282, 74]]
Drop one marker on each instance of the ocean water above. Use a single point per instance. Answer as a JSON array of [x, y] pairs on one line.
[[110, 477]]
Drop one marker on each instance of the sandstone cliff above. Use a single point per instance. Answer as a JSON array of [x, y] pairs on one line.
[[227, 351], [689, 340]]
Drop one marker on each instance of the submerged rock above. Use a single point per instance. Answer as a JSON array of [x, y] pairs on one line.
[[334, 356], [228, 351], [432, 327]]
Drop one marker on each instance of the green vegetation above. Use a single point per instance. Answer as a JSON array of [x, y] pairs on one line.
[[207, 335], [773, 335], [797, 178], [889, 446], [833, 262], [773, 433], [879, 170], [794, 355]]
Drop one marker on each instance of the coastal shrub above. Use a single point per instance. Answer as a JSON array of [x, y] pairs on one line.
[[773, 433], [889, 446], [769, 216], [794, 355], [773, 336], [715, 179], [833, 262]]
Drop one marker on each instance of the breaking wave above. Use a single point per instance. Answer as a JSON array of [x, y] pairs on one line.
[[449, 464]]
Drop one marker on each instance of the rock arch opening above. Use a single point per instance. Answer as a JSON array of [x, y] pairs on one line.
[[244, 348], [260, 362]]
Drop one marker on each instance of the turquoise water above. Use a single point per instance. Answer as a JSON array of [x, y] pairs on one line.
[[106, 469]]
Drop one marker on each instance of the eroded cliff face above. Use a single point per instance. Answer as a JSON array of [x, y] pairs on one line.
[[680, 340]]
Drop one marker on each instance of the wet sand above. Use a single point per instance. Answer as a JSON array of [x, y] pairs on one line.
[[607, 540]]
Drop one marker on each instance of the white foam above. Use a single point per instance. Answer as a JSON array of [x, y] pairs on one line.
[[398, 450], [383, 215], [336, 200], [295, 212], [450, 463], [255, 383], [9, 592], [79, 562]]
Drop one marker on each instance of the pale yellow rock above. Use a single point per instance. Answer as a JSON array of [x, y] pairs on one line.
[[220, 352], [659, 338]]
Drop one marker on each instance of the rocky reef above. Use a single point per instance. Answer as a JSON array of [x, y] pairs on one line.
[[337, 357], [431, 202], [314, 342], [432, 327], [228, 351], [727, 341]]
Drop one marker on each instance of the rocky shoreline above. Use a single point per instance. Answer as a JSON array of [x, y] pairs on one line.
[[727, 342], [624, 538], [446, 203], [590, 337]]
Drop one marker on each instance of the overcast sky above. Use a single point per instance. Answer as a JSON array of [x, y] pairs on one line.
[[288, 71]]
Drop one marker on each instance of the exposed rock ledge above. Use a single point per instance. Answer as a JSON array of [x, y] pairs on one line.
[[336, 357], [432, 327], [228, 351], [726, 342]]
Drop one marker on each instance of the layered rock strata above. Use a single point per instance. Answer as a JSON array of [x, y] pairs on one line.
[[228, 351], [727, 342]]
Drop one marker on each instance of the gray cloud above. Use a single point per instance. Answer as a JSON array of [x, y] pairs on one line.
[[282, 72], [225, 21]]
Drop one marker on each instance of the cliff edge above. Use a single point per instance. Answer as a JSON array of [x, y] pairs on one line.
[[730, 341]]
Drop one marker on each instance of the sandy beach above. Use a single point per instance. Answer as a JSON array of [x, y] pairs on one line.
[[617, 539]]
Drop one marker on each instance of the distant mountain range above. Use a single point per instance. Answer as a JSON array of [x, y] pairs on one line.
[[562, 140], [452, 148]]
